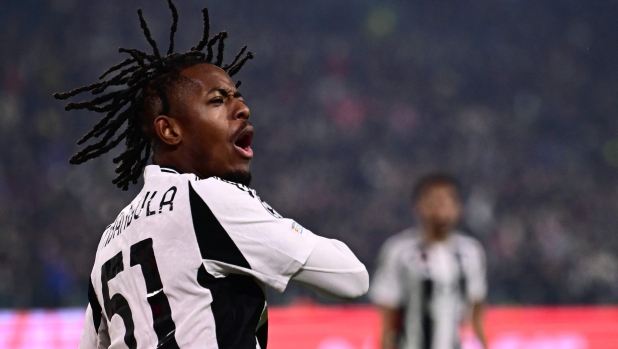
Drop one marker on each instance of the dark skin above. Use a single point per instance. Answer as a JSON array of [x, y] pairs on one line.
[[207, 131]]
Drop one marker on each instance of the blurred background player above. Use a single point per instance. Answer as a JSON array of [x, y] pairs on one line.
[[430, 277]]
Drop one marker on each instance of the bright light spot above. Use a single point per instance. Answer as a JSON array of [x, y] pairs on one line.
[[381, 22]]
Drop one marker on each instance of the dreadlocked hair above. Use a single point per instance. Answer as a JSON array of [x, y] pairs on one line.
[[137, 78]]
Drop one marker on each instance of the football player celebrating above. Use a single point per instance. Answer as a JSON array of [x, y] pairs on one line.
[[186, 263]]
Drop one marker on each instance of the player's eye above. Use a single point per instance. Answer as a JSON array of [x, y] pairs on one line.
[[217, 100]]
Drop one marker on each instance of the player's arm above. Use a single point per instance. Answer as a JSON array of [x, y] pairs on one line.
[[332, 270], [478, 291], [477, 322], [387, 292], [390, 327], [274, 249]]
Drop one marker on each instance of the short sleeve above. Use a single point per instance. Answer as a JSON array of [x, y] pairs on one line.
[[477, 291], [387, 285], [238, 233]]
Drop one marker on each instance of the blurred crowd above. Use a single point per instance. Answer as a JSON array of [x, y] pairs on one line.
[[352, 101]]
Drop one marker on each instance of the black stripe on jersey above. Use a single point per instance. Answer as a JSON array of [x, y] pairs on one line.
[[213, 240], [463, 284], [237, 305], [262, 335], [95, 306], [426, 318]]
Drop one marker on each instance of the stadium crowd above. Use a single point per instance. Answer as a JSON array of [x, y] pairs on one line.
[[352, 101]]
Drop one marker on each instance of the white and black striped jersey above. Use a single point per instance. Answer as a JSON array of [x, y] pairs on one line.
[[185, 265], [433, 284]]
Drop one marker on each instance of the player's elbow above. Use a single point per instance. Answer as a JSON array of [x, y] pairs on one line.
[[356, 285], [363, 285]]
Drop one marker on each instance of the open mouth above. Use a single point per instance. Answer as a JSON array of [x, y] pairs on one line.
[[243, 143]]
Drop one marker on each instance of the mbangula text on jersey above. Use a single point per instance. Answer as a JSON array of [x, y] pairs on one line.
[[141, 208]]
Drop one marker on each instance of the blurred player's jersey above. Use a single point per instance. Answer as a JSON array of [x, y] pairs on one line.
[[185, 266], [433, 284]]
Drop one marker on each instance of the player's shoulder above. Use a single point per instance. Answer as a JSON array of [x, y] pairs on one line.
[[219, 194], [215, 189], [156, 176], [467, 242], [401, 241], [220, 184], [226, 193]]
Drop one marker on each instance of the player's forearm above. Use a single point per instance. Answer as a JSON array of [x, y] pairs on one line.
[[332, 270], [477, 323], [389, 328], [343, 287]]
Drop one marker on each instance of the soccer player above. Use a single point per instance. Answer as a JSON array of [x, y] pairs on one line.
[[430, 276], [186, 263]]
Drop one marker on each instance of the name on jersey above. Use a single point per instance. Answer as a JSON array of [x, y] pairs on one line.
[[141, 209]]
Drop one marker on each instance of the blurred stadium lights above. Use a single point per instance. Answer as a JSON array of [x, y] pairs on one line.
[[381, 22]]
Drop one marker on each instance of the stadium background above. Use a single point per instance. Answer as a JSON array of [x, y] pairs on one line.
[[352, 100]]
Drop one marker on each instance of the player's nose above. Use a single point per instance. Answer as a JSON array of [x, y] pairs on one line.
[[241, 110]]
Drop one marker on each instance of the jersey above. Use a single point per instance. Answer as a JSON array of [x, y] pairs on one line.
[[433, 284], [186, 263]]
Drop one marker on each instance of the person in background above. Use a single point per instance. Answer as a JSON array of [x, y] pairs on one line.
[[430, 277]]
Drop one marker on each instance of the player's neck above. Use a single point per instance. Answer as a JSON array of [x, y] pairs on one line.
[[436, 234]]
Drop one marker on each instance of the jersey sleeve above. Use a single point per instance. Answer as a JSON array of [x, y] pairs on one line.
[[238, 233], [387, 286], [333, 271], [477, 291]]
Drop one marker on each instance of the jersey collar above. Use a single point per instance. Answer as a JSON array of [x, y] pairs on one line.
[[169, 169], [155, 170]]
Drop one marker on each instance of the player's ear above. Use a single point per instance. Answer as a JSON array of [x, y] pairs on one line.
[[168, 130]]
